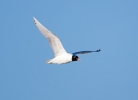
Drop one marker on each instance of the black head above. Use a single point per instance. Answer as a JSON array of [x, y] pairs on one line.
[[75, 58]]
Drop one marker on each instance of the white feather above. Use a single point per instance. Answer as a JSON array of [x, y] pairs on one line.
[[52, 38]]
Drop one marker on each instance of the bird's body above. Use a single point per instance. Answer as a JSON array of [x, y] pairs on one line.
[[61, 56], [61, 59]]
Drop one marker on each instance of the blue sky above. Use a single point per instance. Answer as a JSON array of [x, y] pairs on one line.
[[109, 25]]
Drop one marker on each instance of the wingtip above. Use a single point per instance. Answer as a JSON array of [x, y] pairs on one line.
[[99, 50], [34, 20]]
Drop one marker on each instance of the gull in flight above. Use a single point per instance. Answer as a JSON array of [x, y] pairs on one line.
[[61, 55]]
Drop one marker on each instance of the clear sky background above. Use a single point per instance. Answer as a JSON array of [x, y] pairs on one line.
[[111, 25]]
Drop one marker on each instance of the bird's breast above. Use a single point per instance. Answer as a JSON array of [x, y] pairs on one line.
[[65, 58]]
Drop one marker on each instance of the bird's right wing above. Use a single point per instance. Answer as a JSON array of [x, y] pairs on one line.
[[52, 38], [85, 52]]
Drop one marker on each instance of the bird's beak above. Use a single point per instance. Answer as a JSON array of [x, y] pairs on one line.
[[78, 59]]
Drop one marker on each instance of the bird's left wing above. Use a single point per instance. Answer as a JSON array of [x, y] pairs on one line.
[[52, 38]]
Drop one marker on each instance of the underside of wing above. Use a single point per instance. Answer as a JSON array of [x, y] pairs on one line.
[[85, 52], [81, 52], [52, 38]]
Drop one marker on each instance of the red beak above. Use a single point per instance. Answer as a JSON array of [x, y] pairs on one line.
[[78, 59]]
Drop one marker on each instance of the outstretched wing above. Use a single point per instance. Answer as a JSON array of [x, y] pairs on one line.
[[85, 52], [52, 38]]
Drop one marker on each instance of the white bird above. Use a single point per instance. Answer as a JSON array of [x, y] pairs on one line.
[[61, 55]]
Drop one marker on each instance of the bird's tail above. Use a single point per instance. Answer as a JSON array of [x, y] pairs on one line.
[[49, 61]]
